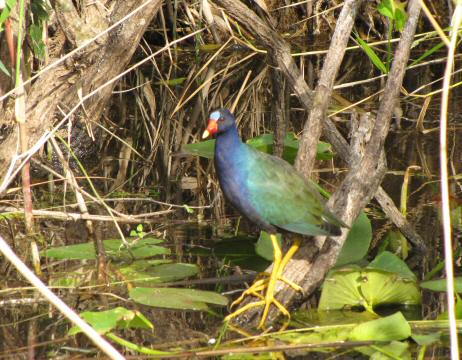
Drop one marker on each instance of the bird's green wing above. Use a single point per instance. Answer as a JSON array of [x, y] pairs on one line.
[[283, 198]]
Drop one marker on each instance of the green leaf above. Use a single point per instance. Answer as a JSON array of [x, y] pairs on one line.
[[263, 143], [172, 298], [341, 289], [395, 350], [145, 272], [141, 248], [367, 288], [264, 246], [386, 8], [393, 327], [440, 285], [358, 241], [395, 11], [35, 32], [426, 339], [384, 288], [10, 4], [372, 55], [387, 261], [4, 69], [428, 53], [104, 321], [400, 19], [203, 149]]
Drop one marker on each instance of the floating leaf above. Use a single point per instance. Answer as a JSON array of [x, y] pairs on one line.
[[384, 288], [105, 321], [171, 298], [426, 339], [341, 289], [368, 288], [393, 327], [358, 241], [304, 318], [391, 351], [141, 248], [147, 273], [387, 261]]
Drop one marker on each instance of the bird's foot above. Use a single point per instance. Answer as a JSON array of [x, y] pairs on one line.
[[254, 290], [264, 289], [258, 287]]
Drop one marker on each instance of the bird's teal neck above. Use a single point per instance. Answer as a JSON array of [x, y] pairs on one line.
[[228, 140]]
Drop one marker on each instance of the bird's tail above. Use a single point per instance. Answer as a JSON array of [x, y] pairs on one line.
[[332, 224]]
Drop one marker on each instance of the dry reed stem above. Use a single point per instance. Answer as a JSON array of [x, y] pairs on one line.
[[446, 209]]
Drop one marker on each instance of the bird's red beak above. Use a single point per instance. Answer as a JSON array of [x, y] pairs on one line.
[[212, 128]]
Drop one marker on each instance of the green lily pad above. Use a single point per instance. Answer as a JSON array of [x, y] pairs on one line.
[[141, 248], [367, 288], [393, 327], [387, 261], [391, 351], [427, 339], [172, 298], [144, 272], [105, 321]]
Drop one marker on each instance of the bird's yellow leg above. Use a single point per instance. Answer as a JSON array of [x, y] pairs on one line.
[[289, 255], [269, 296]]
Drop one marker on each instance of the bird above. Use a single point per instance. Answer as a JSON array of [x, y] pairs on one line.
[[270, 193]]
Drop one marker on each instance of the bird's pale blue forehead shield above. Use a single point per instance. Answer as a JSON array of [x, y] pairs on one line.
[[215, 115]]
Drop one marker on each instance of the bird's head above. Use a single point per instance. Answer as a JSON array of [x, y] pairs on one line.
[[219, 121]]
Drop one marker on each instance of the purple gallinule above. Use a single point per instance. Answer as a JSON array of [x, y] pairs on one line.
[[273, 195]]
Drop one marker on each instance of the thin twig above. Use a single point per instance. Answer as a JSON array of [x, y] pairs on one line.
[[446, 211]]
